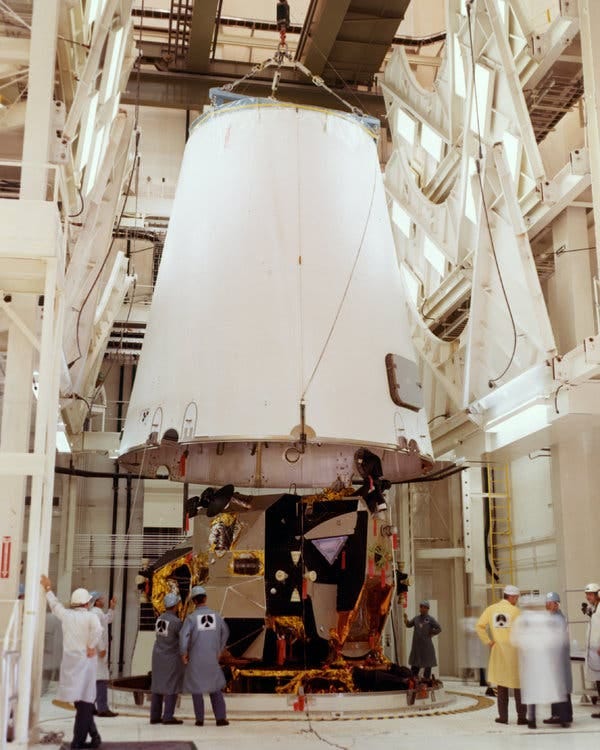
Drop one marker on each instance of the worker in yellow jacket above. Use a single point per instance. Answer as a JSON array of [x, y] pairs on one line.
[[494, 629]]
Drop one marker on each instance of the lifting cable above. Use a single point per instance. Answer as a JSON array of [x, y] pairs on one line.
[[283, 56]]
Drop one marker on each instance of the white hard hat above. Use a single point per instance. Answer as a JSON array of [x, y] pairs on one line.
[[511, 590], [592, 588], [80, 596]]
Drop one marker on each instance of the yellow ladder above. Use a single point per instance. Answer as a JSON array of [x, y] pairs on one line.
[[500, 541]]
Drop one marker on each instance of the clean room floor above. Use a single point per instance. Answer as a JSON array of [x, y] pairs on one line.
[[459, 726]]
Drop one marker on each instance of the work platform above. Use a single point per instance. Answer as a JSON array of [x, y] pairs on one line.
[[316, 706]]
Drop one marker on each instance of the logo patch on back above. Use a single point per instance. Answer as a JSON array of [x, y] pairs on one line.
[[162, 627], [207, 622], [501, 620]]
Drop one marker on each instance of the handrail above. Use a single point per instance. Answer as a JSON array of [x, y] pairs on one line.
[[10, 639], [56, 192], [9, 671], [57, 184]]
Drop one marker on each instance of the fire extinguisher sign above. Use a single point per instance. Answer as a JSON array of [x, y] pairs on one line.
[[5, 557]]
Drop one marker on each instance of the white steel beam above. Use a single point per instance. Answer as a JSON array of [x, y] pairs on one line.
[[75, 411], [529, 387], [39, 116], [22, 325], [88, 79], [15, 462], [518, 100], [42, 486], [543, 338], [590, 23], [36, 146], [93, 246], [560, 193], [547, 48], [452, 391], [580, 364]]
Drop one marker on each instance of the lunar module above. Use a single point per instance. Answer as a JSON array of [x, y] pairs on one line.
[[305, 583]]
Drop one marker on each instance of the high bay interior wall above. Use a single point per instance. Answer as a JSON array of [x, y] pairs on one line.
[[545, 427]]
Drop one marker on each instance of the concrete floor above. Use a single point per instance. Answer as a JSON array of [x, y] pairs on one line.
[[464, 725]]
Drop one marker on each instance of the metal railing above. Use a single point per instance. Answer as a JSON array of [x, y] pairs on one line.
[[9, 668], [56, 184], [122, 550]]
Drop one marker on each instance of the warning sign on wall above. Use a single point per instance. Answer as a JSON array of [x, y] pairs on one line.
[[5, 557]]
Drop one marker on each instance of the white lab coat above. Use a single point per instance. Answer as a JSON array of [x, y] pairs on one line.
[[105, 620], [81, 630], [539, 638], [475, 655], [52, 643], [592, 658]]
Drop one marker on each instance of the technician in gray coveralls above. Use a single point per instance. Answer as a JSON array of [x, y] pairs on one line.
[[422, 653], [201, 642], [167, 669]]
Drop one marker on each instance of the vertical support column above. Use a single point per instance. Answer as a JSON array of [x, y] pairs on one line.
[[457, 579], [36, 147], [50, 365], [570, 289], [474, 512], [40, 104], [15, 433], [575, 480], [465, 486], [407, 556], [40, 515], [589, 15]]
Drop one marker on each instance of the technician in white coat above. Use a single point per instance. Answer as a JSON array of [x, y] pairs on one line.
[[77, 682], [474, 655], [592, 652], [539, 638], [106, 618], [561, 712]]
